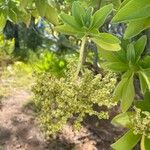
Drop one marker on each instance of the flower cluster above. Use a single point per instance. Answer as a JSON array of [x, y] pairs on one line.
[[141, 122], [60, 99]]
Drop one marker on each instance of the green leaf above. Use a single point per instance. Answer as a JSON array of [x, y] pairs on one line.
[[100, 16], [140, 46], [143, 83], [65, 29], [105, 45], [116, 66], [119, 89], [70, 20], [78, 12], [146, 79], [144, 104], [134, 9], [131, 53], [24, 3], [41, 7], [128, 94], [123, 119], [116, 3], [47, 10], [51, 14], [2, 22], [135, 27], [145, 62], [88, 17], [12, 16], [124, 3], [127, 141], [119, 56], [145, 143], [147, 72], [109, 38]]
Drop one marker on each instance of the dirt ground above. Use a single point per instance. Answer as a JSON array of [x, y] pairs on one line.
[[19, 130]]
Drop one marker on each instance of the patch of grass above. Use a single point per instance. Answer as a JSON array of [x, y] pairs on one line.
[[16, 76]]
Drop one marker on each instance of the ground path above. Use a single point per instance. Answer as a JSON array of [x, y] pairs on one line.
[[17, 127], [19, 130]]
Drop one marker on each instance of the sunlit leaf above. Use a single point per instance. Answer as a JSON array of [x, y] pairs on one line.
[[128, 94], [135, 27], [134, 9], [2, 22], [127, 141], [100, 16], [123, 119]]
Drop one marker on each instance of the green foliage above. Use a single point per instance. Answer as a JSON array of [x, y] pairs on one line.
[[7, 46], [33, 39], [26, 55], [128, 141], [136, 13], [50, 62], [60, 99], [45, 9], [6, 49], [22, 10], [83, 23], [138, 121], [130, 62]]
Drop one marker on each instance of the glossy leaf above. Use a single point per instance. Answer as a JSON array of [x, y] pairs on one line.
[[143, 83], [147, 80], [41, 7], [114, 56], [116, 3], [147, 72], [134, 9], [119, 89], [127, 141], [100, 16], [135, 27], [145, 143], [78, 12], [51, 14], [124, 3], [69, 30], [105, 45], [109, 38], [88, 17], [123, 119], [144, 105], [131, 53], [116, 66], [70, 20], [145, 62], [128, 94], [140, 46]]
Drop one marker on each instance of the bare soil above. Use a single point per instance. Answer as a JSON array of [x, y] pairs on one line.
[[19, 130]]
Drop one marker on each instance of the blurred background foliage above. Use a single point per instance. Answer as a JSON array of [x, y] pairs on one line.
[[31, 49]]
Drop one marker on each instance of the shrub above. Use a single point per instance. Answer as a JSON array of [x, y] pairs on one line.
[[50, 62], [6, 47], [60, 99]]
